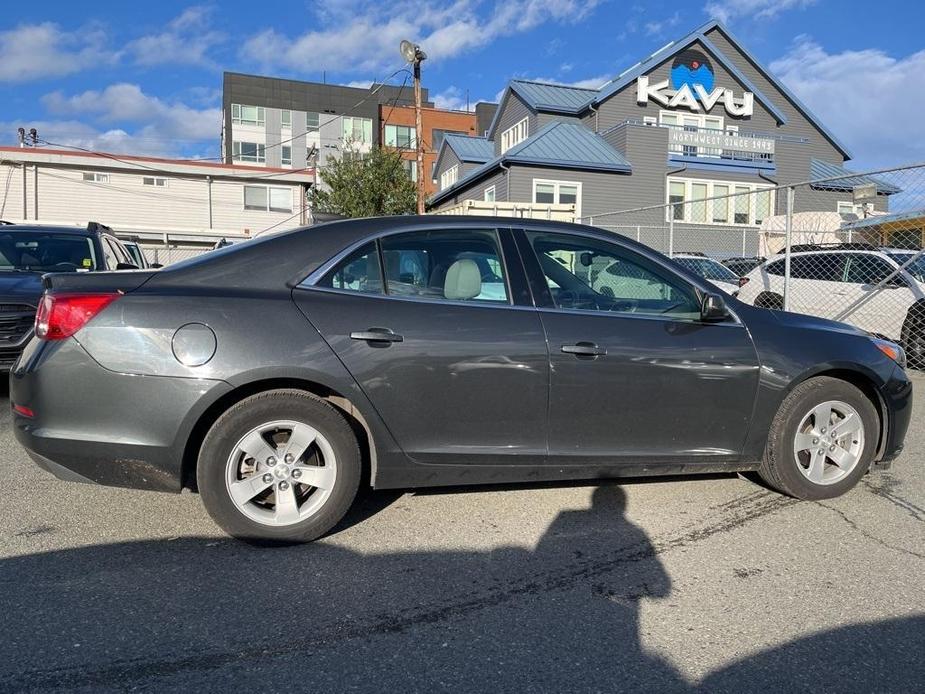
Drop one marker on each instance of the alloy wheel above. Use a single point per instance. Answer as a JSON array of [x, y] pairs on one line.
[[829, 442]]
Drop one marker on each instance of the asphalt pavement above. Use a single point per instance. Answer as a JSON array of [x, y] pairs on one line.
[[710, 584]]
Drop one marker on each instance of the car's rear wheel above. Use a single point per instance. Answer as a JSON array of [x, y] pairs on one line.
[[279, 466], [822, 440], [913, 336], [770, 300]]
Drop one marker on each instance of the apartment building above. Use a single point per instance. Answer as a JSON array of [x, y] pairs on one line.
[[291, 124], [167, 201], [699, 118], [398, 131]]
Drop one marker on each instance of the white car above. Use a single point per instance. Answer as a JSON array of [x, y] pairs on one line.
[[880, 290], [711, 270]]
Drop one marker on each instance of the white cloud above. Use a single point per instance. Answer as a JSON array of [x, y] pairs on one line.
[[870, 100], [187, 39], [455, 99], [36, 51], [130, 121], [362, 35], [728, 10], [658, 27]]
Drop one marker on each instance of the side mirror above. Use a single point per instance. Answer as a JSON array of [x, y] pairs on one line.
[[126, 266], [155, 266], [713, 309]]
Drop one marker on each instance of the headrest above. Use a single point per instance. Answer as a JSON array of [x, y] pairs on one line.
[[463, 280]]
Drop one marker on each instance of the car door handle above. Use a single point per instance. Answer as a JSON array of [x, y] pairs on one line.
[[584, 349], [376, 335]]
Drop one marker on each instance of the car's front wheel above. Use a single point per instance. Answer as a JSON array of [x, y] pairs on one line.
[[279, 466], [822, 440]]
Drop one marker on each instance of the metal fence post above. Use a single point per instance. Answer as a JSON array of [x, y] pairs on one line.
[[638, 233], [744, 241], [789, 238], [671, 232], [590, 221]]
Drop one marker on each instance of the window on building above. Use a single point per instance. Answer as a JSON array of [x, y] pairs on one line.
[[96, 177], [516, 134], [849, 208], [449, 177], [285, 118], [312, 121], [242, 114], [438, 136], [286, 155], [267, 198], [738, 209], [411, 168], [155, 181], [490, 194], [557, 192], [248, 151], [358, 130], [693, 123], [401, 136]]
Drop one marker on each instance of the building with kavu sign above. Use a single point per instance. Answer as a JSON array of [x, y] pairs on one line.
[[700, 118]]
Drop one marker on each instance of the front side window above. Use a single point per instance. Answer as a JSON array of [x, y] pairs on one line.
[[823, 267], [358, 272], [591, 275], [445, 266], [864, 268]]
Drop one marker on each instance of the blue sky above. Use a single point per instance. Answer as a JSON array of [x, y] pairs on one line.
[[146, 77]]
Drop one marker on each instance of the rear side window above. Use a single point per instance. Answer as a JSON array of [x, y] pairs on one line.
[[358, 272], [864, 268], [823, 267], [445, 266]]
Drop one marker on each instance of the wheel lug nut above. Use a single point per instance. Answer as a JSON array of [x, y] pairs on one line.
[[815, 441], [823, 430], [296, 474], [831, 448], [821, 451], [288, 459], [283, 486], [267, 478], [271, 461]]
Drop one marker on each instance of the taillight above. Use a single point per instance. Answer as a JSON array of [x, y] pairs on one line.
[[743, 281], [61, 315], [24, 411]]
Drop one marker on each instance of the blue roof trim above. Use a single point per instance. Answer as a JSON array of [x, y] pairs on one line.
[[624, 80], [715, 24], [820, 170], [722, 164], [551, 147]]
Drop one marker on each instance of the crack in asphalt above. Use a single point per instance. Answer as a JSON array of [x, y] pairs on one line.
[[746, 509], [854, 525], [885, 491]]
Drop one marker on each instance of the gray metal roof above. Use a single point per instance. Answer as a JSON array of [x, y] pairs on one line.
[[845, 180], [475, 149], [570, 145], [553, 97]]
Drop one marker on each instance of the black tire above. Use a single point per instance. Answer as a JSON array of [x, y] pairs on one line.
[[251, 412], [770, 300], [779, 468], [913, 336]]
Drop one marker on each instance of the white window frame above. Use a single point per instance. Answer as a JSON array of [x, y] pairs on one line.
[[411, 168], [449, 177], [283, 159], [391, 140], [516, 134], [285, 122], [95, 177], [259, 158], [154, 181], [366, 127], [269, 207], [490, 194], [557, 185], [685, 119], [732, 186], [260, 115], [853, 208]]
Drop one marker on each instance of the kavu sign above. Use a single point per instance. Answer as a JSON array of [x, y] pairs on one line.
[[692, 85]]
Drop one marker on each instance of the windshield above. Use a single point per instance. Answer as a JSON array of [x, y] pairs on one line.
[[708, 269], [916, 268], [40, 251]]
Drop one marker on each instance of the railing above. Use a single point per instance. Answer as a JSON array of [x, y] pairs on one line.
[[714, 143], [526, 210]]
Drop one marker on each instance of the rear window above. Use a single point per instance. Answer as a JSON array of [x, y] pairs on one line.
[[707, 268], [38, 251]]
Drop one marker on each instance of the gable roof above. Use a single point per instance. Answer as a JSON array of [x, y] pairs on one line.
[[471, 149], [844, 180], [559, 144], [546, 96]]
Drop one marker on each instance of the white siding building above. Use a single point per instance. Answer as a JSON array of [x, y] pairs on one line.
[[163, 202]]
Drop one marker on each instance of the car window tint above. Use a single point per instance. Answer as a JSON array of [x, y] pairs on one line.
[[109, 255], [591, 275], [445, 265], [827, 267], [358, 272], [122, 255], [776, 268], [864, 268]]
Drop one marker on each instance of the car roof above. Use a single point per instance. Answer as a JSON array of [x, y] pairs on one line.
[[76, 231]]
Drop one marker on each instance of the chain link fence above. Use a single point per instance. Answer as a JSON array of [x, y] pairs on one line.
[[847, 247], [171, 254]]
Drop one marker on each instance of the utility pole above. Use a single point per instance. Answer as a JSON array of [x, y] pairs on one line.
[[414, 55]]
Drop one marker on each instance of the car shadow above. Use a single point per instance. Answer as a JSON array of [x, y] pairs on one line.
[[196, 613]]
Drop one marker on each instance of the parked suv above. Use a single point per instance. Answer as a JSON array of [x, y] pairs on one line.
[[711, 270], [881, 290], [29, 251]]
